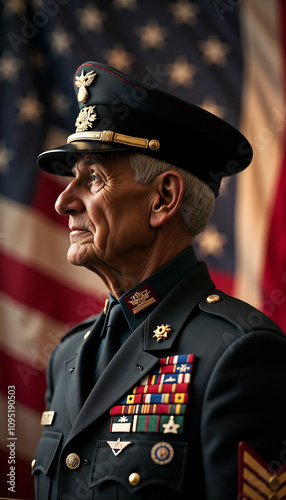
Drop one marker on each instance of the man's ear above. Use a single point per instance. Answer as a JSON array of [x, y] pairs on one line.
[[170, 190]]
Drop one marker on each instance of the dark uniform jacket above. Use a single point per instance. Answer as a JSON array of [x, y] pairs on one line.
[[236, 392]]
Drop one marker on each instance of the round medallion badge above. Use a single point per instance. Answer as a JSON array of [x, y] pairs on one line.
[[162, 453]]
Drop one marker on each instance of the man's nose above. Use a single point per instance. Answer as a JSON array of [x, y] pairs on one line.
[[69, 200]]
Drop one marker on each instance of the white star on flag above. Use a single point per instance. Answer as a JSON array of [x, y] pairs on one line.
[[61, 41], [152, 35], [5, 156], [125, 4], [211, 242], [184, 12], [214, 51], [9, 67], [30, 108], [91, 19], [209, 104], [181, 72], [119, 58]]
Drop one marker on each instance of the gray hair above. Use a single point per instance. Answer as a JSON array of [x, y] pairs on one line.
[[198, 199]]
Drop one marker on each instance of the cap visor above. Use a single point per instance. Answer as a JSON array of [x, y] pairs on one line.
[[61, 160]]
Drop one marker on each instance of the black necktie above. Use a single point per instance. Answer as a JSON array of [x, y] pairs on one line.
[[116, 325]]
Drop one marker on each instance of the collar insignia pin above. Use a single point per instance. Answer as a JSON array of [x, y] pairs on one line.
[[162, 332], [118, 446], [82, 82], [141, 300]]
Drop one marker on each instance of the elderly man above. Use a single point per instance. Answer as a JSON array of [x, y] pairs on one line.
[[175, 389]]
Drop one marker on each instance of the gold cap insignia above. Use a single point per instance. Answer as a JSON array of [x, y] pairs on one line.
[[256, 478], [85, 118], [162, 332], [82, 82]]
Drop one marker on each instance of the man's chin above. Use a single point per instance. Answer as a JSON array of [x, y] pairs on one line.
[[76, 257]]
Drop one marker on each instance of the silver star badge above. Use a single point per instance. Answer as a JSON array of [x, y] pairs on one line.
[[171, 426]]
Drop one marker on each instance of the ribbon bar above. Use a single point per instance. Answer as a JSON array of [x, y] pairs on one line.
[[146, 409]]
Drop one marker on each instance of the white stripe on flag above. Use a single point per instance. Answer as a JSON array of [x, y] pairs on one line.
[[28, 334], [262, 106], [31, 237]]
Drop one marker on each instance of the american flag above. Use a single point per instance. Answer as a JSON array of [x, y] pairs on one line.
[[227, 56]]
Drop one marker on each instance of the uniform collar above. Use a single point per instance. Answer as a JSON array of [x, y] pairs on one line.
[[158, 285]]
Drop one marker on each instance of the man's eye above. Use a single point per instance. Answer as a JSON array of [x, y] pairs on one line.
[[94, 177]]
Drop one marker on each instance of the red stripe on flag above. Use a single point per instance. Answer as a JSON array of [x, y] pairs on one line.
[[223, 281], [27, 380], [274, 282], [34, 289], [47, 191]]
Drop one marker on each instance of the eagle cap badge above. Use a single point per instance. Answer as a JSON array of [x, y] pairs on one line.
[[85, 118], [82, 82]]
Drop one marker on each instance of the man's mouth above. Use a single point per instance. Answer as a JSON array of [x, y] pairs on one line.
[[77, 231]]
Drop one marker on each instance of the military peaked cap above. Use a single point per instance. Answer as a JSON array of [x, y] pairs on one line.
[[119, 113]]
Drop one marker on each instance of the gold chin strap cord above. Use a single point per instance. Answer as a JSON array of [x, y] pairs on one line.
[[110, 136]]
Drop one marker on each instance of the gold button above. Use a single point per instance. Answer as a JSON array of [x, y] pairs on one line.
[[134, 478], [33, 463], [73, 461], [211, 299], [274, 482], [154, 144], [86, 334]]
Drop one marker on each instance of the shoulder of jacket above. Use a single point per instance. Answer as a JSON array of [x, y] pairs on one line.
[[243, 316], [80, 327]]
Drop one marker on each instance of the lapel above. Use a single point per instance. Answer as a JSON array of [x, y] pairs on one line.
[[132, 362], [77, 375], [128, 366]]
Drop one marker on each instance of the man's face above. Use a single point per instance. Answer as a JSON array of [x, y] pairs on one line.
[[109, 214]]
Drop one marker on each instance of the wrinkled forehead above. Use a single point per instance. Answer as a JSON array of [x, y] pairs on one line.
[[86, 160]]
